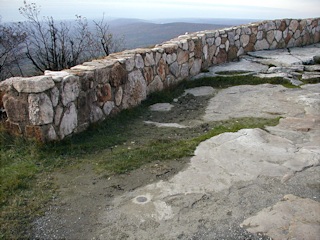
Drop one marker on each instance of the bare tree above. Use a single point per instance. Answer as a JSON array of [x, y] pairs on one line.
[[52, 45], [11, 40]]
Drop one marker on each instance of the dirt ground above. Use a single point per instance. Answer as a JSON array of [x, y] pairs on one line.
[[89, 205], [82, 193]]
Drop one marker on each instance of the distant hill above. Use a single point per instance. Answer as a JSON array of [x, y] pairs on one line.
[[143, 34]]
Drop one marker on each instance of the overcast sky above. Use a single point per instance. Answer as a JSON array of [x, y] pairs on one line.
[[157, 9]]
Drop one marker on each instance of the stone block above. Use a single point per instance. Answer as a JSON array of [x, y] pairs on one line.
[[104, 93], [149, 59], [135, 90], [118, 96], [40, 109], [16, 108], [119, 75], [70, 89], [174, 69], [33, 84], [148, 74], [156, 85], [108, 107], [196, 67], [69, 121], [183, 56], [261, 45]]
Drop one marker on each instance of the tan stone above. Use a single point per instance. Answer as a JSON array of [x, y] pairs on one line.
[[119, 75], [16, 108], [156, 85], [198, 49], [162, 69], [283, 26], [183, 56], [148, 74], [222, 56], [294, 24], [232, 53], [118, 96], [34, 132], [13, 128], [104, 93]]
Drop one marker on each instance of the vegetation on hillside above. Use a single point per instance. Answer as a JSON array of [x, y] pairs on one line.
[[47, 44]]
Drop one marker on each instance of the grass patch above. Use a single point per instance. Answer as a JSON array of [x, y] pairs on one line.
[[232, 72], [229, 81], [124, 159], [311, 80]]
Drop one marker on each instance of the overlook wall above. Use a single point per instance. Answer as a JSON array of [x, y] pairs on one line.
[[59, 104]]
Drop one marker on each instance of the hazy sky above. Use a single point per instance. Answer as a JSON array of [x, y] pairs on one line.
[[155, 9]]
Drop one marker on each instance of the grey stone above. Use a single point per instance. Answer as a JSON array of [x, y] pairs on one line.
[[244, 39], [6, 85], [55, 94], [156, 85], [278, 35], [174, 69], [57, 76], [96, 114], [218, 41], [200, 91], [58, 115], [139, 61], [316, 59], [70, 89], [135, 90], [299, 216], [130, 64], [118, 96], [170, 58], [196, 67], [51, 134], [108, 107], [69, 121], [161, 107], [33, 84], [149, 59], [40, 109], [167, 125], [261, 45], [185, 70]]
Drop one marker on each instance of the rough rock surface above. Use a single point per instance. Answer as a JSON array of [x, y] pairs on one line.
[[291, 218], [235, 164]]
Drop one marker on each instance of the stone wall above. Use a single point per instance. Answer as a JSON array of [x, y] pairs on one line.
[[59, 104]]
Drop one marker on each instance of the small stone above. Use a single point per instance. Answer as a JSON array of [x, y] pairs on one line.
[[107, 107], [161, 107], [139, 61], [316, 59]]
